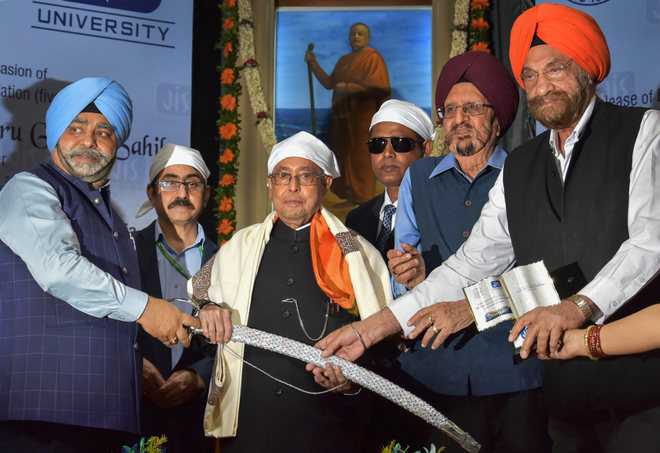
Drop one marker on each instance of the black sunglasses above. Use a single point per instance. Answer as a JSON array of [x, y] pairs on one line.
[[399, 144]]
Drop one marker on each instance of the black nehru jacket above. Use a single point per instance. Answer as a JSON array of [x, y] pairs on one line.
[[273, 416], [583, 220]]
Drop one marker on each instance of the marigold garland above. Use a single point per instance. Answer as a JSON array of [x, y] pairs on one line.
[[479, 30], [228, 122]]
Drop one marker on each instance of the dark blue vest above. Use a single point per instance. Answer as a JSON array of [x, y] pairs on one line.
[[446, 207], [58, 364]]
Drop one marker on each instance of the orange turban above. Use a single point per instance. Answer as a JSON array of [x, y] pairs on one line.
[[571, 32]]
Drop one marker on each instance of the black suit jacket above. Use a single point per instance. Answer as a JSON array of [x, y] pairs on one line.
[[200, 355], [365, 219]]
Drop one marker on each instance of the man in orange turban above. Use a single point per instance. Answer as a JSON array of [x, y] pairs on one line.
[[583, 198]]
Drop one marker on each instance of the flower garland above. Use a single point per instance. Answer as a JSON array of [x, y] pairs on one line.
[[250, 71], [237, 44], [228, 123], [479, 30], [459, 37]]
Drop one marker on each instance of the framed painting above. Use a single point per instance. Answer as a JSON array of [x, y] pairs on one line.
[[333, 69]]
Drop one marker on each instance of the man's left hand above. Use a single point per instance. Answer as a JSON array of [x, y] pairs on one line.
[[545, 327], [181, 387], [440, 320]]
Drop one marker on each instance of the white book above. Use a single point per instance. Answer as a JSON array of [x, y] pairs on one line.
[[511, 295]]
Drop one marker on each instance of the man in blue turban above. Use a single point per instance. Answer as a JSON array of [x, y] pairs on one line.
[[69, 366]]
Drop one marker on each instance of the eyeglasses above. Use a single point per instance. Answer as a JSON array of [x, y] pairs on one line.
[[399, 144], [171, 185], [554, 71], [469, 108], [304, 179]]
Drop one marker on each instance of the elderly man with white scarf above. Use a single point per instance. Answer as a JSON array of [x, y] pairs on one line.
[[300, 274], [170, 250]]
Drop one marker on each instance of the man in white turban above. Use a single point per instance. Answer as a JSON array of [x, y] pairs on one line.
[[170, 250], [69, 287], [299, 274], [399, 134]]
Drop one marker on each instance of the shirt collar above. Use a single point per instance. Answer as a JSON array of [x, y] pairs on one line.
[[574, 137], [495, 160], [201, 237], [387, 201]]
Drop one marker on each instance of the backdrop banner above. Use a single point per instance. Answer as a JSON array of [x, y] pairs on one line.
[[146, 45]]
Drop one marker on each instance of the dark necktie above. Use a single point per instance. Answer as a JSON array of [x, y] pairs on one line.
[[383, 236]]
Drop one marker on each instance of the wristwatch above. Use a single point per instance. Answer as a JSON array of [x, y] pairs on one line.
[[583, 304]]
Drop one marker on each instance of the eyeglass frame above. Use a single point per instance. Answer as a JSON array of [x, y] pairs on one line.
[[442, 115], [297, 178], [415, 142], [560, 70], [178, 184]]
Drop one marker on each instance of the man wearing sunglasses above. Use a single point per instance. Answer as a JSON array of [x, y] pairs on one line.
[[170, 250], [399, 134]]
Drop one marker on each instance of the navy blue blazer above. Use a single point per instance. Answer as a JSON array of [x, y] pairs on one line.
[[365, 219]]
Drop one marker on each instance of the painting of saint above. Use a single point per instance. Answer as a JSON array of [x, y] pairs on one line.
[[360, 84], [330, 82]]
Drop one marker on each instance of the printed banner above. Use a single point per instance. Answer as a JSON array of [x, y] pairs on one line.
[[146, 45]]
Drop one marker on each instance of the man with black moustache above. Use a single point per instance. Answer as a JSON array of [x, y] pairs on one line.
[[170, 250]]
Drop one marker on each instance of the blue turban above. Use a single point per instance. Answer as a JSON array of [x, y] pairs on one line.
[[109, 97]]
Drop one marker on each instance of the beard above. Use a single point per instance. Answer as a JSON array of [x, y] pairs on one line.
[[470, 146], [558, 109], [98, 167]]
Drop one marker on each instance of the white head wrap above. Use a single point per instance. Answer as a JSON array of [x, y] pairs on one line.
[[305, 145], [406, 114], [170, 155]]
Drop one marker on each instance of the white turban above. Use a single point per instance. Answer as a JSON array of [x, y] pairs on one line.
[[406, 114], [305, 145], [174, 155]]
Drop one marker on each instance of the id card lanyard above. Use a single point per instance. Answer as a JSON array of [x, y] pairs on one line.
[[177, 267]]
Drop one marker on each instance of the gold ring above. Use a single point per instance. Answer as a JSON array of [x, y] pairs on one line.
[[174, 340], [430, 318], [435, 329]]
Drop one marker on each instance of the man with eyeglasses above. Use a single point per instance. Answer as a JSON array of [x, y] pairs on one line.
[[299, 274], [469, 375], [399, 134], [582, 197], [170, 250], [69, 296]]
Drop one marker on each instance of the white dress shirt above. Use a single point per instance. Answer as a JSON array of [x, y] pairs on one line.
[[489, 251]]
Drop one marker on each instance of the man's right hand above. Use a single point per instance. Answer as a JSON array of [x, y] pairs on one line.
[[351, 341], [162, 320], [406, 267]]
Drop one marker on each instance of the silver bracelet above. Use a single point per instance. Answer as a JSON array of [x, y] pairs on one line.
[[357, 334]]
